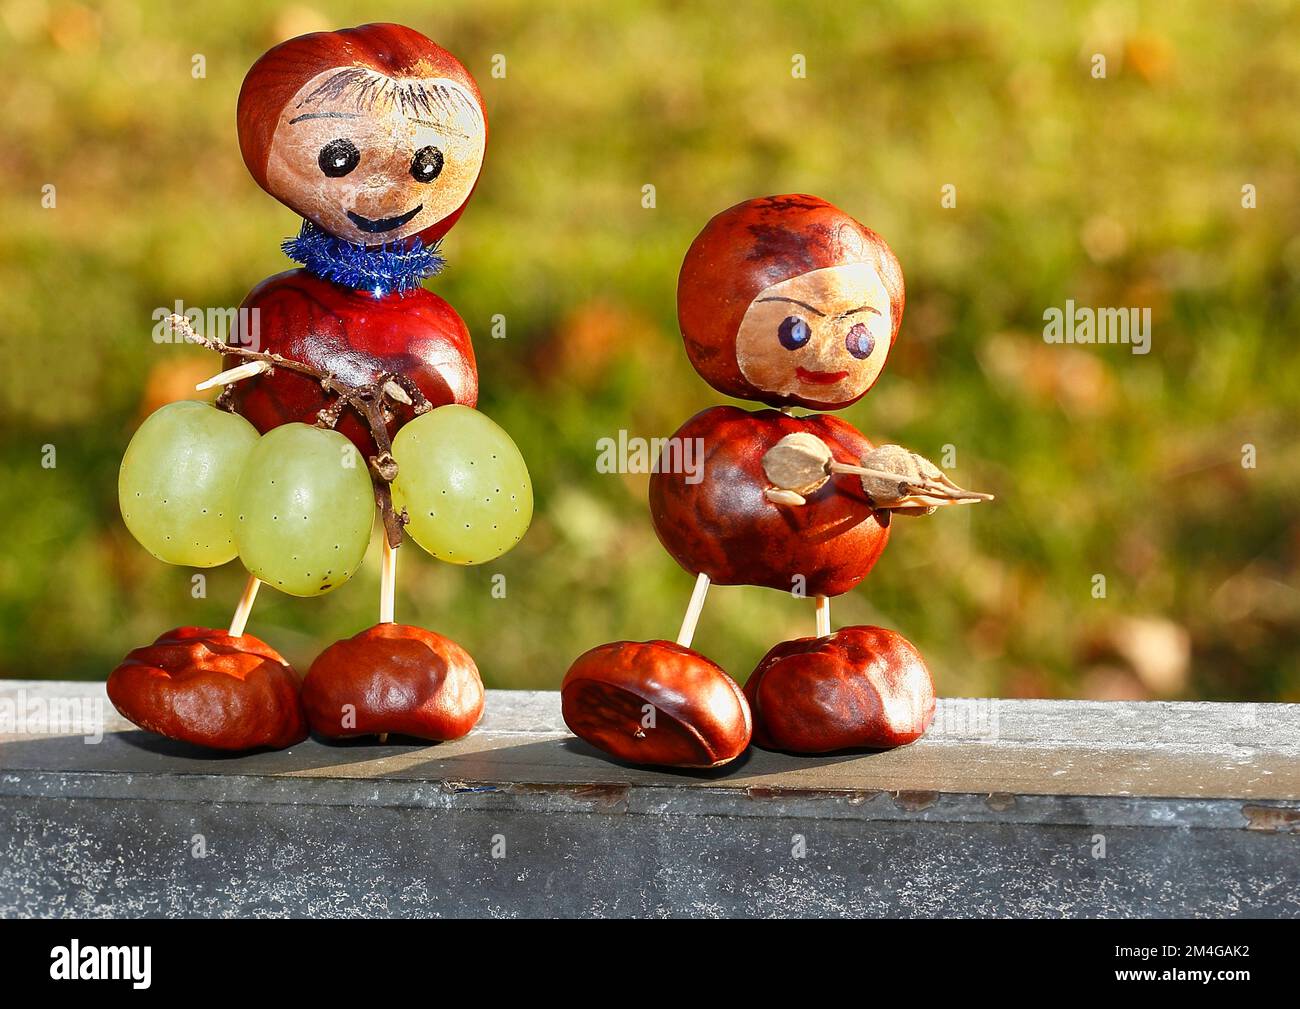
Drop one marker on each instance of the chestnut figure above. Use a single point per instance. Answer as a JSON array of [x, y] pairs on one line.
[[355, 336], [655, 702], [375, 136], [789, 302], [393, 678], [212, 689], [861, 687]]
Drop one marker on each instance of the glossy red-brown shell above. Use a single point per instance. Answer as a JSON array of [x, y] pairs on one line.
[[700, 719], [726, 528], [356, 337], [861, 687], [748, 248], [394, 678], [202, 686], [280, 72]]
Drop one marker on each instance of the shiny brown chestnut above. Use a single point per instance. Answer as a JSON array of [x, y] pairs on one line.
[[861, 687], [656, 702], [719, 521], [788, 300], [375, 133], [393, 678], [203, 686], [355, 337]]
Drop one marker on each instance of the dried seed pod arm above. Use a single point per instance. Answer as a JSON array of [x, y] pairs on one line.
[[895, 478], [372, 401], [901, 480]]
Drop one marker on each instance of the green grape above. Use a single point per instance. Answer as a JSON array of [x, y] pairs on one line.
[[463, 484], [176, 487], [305, 507]]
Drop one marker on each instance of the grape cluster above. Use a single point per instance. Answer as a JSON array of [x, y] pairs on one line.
[[199, 486]]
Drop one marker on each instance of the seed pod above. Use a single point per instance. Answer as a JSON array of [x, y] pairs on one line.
[[394, 678], [656, 702], [799, 462], [861, 687], [205, 687], [910, 467]]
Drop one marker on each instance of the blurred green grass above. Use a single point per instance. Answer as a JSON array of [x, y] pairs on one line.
[[1123, 191]]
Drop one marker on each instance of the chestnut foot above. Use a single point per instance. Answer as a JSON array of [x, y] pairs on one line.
[[203, 686], [393, 678], [656, 702], [861, 687]]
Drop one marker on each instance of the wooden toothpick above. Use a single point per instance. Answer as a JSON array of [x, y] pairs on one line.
[[387, 581], [687, 634], [235, 374], [240, 619]]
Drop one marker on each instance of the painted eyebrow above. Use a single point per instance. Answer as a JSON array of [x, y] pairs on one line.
[[323, 115], [441, 127], [863, 308], [801, 304]]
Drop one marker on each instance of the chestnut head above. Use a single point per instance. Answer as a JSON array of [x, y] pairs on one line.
[[375, 134], [789, 301]]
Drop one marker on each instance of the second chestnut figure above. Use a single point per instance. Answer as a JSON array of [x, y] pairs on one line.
[[790, 302]]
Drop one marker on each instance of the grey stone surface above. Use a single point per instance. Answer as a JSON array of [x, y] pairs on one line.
[[1044, 808]]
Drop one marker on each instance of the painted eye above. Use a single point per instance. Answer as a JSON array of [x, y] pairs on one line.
[[338, 157], [793, 332], [860, 342], [427, 164]]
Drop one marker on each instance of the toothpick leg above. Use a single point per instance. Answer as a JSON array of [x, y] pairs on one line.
[[823, 616], [687, 634], [387, 581], [245, 607]]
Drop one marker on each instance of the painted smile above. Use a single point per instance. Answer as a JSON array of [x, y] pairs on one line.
[[821, 377], [372, 227]]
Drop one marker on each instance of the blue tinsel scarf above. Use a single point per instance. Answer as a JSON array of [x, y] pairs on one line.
[[390, 269]]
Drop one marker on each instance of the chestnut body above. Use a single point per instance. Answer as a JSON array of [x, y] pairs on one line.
[[357, 337], [394, 678], [203, 686], [861, 687], [725, 527]]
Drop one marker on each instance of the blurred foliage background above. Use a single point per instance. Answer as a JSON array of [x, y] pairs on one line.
[[1118, 191]]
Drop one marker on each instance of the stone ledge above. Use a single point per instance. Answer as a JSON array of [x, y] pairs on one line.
[[999, 811]]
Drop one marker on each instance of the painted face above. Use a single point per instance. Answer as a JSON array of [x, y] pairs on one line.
[[373, 159], [789, 301], [821, 336]]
